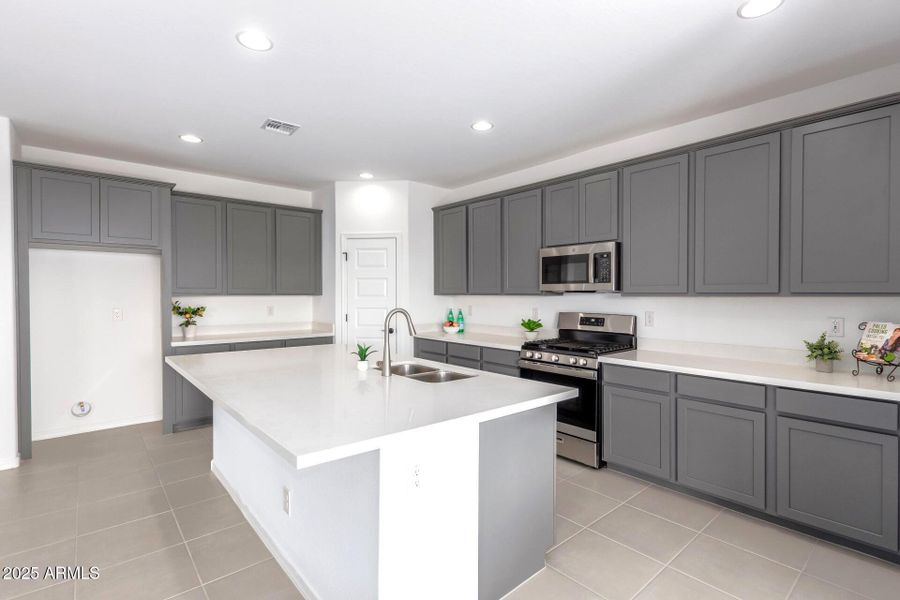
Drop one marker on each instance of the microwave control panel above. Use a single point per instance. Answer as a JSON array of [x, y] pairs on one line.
[[603, 267]]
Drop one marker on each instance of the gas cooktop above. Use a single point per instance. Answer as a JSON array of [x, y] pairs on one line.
[[582, 338]]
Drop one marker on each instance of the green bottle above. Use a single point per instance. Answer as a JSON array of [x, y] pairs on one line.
[[450, 318], [460, 322]]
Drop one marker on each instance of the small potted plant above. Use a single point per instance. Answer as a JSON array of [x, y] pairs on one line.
[[531, 327], [363, 353], [824, 353], [190, 314]]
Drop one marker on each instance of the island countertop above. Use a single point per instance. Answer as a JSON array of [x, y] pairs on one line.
[[311, 405]]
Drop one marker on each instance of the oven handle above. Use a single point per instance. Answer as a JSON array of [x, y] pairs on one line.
[[558, 369]]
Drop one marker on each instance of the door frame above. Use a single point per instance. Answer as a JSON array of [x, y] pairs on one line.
[[342, 328]]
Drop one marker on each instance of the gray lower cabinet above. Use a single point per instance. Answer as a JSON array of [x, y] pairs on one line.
[[737, 213], [261, 345], [485, 254], [503, 362], [193, 407], [129, 213], [298, 252], [561, 218], [250, 244], [522, 240], [845, 204], [308, 342], [493, 360], [839, 479], [598, 207], [450, 251], [655, 227], [198, 246], [637, 430], [64, 207], [722, 451]]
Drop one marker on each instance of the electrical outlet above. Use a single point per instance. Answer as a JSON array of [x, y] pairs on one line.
[[270, 311], [835, 326], [117, 314], [534, 312], [286, 500], [649, 318], [417, 476]]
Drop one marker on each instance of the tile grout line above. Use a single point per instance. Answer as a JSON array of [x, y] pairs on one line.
[[578, 583], [841, 587], [800, 573], [242, 569]]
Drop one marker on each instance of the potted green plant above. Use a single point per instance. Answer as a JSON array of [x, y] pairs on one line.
[[189, 314], [824, 352], [363, 353], [531, 327]]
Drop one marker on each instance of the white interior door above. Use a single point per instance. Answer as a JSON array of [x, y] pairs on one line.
[[371, 289]]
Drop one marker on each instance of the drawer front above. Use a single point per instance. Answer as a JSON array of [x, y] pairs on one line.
[[509, 358], [308, 342], [646, 379], [464, 351], [259, 345], [842, 409], [441, 358], [182, 350], [464, 362], [500, 369], [430, 346], [721, 390]]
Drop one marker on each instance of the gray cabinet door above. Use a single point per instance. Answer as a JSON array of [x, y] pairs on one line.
[[262, 345], [722, 451], [250, 244], [839, 479], [129, 213], [450, 251], [486, 247], [198, 246], [655, 230], [65, 207], [298, 252], [522, 235], [598, 198], [845, 204], [561, 214], [636, 430], [737, 215], [308, 342]]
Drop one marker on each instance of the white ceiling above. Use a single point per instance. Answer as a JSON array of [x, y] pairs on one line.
[[391, 86]]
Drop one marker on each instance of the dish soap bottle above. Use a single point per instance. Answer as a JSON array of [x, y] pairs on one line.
[[460, 322]]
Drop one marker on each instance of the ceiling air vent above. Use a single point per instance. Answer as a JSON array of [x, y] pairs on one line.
[[282, 127]]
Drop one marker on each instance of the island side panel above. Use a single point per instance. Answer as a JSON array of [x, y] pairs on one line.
[[515, 499], [328, 545]]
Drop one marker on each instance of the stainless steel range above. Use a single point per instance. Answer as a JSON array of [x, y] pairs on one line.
[[571, 359]]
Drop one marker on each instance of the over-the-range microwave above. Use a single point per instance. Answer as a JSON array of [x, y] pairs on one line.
[[580, 268]]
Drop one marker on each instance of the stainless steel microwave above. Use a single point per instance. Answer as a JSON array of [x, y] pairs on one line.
[[580, 268]]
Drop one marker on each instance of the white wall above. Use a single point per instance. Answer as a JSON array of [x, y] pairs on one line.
[[323, 306], [424, 306], [9, 453], [225, 311], [79, 353]]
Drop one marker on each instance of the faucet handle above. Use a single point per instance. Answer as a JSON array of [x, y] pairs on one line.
[[390, 330]]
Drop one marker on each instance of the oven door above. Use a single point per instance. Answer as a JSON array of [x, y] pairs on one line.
[[578, 417]]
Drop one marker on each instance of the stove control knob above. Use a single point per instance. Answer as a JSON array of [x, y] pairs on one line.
[[538, 355], [583, 362], [529, 354], [573, 360], [554, 358]]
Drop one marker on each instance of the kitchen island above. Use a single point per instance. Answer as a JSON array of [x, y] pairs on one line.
[[365, 486]]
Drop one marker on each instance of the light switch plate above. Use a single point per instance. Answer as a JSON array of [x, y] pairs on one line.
[[649, 318], [117, 314], [286, 500]]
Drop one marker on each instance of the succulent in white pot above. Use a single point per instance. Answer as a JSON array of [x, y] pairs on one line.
[[824, 353], [363, 353], [190, 314], [531, 327]]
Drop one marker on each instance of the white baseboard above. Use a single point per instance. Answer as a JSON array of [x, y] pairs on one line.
[[269, 543], [10, 464], [48, 434]]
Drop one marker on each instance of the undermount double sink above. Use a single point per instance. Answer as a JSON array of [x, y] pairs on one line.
[[425, 373]]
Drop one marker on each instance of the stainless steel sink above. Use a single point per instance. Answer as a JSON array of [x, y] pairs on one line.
[[437, 376], [407, 369]]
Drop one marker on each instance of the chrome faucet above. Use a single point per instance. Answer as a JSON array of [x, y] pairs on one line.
[[386, 363]]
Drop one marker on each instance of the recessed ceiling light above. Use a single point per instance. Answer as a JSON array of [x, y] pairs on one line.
[[190, 138], [750, 9], [254, 40], [366, 175], [482, 125]]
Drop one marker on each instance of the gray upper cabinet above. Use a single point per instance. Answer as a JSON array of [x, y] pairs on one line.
[[522, 233], [129, 213], [722, 451], [636, 430], [486, 247], [839, 479], [298, 252], [598, 201], [737, 217], [655, 226], [845, 204], [450, 251], [250, 244], [198, 246], [65, 207], [561, 219]]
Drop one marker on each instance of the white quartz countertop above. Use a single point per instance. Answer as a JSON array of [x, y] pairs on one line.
[[311, 405], [237, 337], [488, 340], [867, 384]]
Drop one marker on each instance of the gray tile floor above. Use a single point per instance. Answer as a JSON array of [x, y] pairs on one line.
[[141, 506], [619, 538]]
